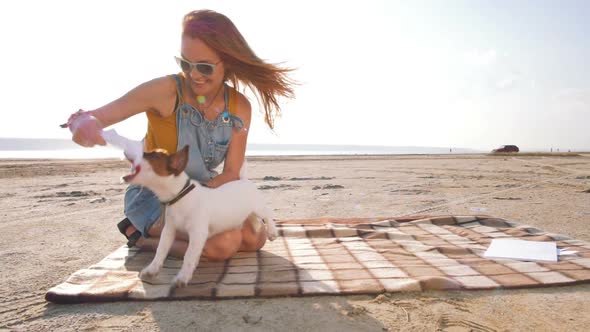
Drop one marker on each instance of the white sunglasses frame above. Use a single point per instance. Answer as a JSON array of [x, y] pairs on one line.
[[195, 65]]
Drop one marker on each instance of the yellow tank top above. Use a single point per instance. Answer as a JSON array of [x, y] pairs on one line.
[[162, 131]]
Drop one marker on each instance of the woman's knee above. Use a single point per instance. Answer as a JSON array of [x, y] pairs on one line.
[[223, 246], [252, 240]]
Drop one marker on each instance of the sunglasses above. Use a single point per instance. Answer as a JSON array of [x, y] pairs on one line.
[[202, 67]]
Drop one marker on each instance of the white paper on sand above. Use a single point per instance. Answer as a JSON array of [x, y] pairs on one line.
[[522, 250]]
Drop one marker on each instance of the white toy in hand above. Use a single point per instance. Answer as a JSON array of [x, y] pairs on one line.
[[133, 149]]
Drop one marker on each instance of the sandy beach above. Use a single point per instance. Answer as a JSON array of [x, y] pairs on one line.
[[59, 216]]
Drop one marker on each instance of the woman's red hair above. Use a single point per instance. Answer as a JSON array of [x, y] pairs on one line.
[[268, 81]]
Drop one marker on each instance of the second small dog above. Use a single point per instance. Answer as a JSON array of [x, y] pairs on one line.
[[199, 211]]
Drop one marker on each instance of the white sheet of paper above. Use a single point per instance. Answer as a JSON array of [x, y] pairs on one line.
[[522, 250]]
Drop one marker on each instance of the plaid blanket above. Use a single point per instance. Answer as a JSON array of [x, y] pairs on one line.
[[342, 256]]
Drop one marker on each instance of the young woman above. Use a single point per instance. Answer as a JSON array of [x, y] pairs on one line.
[[200, 107]]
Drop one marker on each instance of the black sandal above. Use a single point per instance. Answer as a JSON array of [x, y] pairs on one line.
[[131, 239]]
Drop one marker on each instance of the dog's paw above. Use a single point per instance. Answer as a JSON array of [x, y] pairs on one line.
[[149, 272], [180, 281]]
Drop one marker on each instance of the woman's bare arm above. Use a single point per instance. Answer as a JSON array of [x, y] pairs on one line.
[[157, 95]]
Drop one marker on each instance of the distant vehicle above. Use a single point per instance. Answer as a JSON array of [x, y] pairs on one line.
[[506, 148]]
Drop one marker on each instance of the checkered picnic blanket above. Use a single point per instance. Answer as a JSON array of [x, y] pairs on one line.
[[342, 256]]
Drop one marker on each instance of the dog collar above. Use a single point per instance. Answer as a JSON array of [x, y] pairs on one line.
[[188, 186]]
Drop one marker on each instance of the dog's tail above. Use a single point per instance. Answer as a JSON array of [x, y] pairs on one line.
[[243, 171]]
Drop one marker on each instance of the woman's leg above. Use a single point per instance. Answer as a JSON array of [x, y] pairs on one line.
[[142, 208], [178, 248], [219, 247], [251, 239]]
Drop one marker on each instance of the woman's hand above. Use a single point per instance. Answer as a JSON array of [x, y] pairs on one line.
[[86, 129]]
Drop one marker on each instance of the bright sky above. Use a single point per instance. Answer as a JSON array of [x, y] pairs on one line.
[[472, 74]]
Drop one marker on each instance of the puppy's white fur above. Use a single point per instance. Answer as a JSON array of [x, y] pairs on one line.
[[201, 213]]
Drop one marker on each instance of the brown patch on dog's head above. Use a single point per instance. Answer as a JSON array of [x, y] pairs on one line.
[[165, 164], [178, 161]]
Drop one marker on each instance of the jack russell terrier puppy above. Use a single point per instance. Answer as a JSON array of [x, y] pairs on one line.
[[199, 211]]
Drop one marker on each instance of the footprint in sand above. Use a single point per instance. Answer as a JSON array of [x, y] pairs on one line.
[[328, 186], [277, 178], [448, 323], [310, 179], [507, 198], [271, 178], [281, 186], [75, 193], [410, 191], [68, 194]]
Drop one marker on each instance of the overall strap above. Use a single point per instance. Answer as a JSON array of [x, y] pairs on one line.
[[179, 88], [226, 97], [227, 112]]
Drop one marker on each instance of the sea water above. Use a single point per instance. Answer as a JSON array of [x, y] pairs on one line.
[[20, 148]]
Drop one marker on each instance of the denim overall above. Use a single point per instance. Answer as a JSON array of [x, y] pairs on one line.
[[208, 142]]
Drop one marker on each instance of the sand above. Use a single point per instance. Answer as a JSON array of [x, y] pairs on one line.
[[60, 216]]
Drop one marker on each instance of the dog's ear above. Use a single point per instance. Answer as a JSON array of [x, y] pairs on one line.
[[177, 162]]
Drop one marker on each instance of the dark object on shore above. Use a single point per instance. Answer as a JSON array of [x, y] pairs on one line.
[[506, 148]]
